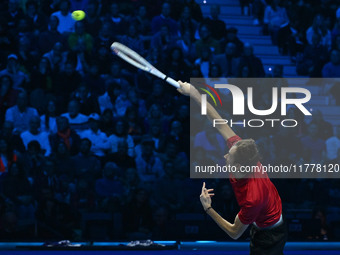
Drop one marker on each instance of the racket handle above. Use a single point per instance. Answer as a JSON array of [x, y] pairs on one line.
[[172, 82]]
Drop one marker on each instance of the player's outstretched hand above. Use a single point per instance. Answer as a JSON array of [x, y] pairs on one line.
[[184, 88], [205, 197]]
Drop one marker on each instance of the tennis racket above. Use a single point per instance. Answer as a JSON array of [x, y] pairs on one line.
[[138, 61]]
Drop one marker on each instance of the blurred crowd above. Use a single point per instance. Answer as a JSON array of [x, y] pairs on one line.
[[83, 132]]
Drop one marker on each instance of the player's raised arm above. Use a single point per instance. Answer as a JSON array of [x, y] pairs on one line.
[[188, 90]]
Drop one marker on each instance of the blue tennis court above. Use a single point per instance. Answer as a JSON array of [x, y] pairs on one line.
[[183, 248]]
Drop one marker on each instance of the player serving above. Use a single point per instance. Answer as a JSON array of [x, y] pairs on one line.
[[257, 196]]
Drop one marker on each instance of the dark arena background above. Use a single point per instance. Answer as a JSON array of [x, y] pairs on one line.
[[94, 153]]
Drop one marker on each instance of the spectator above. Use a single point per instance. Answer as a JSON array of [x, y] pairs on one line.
[[204, 63], [21, 113], [186, 43], [83, 198], [231, 36], [65, 135], [105, 36], [37, 18], [332, 68], [99, 140], [80, 41], [287, 146], [217, 26], [28, 55], [137, 216], [133, 40], [47, 39], [274, 17], [149, 166], [277, 71], [8, 95], [154, 56], [86, 164], [65, 171], [48, 210], [212, 144], [137, 102], [325, 129], [92, 18], [109, 188], [244, 71], [163, 40], [107, 100], [121, 157], [319, 27], [93, 81], [117, 20], [186, 23], [121, 134], [160, 98], [134, 122], [158, 22], [142, 22], [45, 179], [76, 119], [116, 76], [182, 116], [175, 154], [24, 29], [6, 41], [333, 146], [314, 58], [34, 159], [206, 40], [177, 63], [336, 45], [12, 16], [49, 119], [313, 147], [155, 114], [195, 9], [7, 156], [228, 61], [10, 229], [249, 59], [13, 70], [325, 232], [157, 136], [168, 189], [15, 185], [87, 101], [66, 81], [56, 57], [41, 78], [122, 104], [258, 7], [107, 124], [335, 32], [177, 136], [34, 134], [163, 227], [226, 204], [66, 22], [12, 137], [289, 39], [130, 182]]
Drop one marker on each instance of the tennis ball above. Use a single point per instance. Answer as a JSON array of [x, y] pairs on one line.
[[78, 15]]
